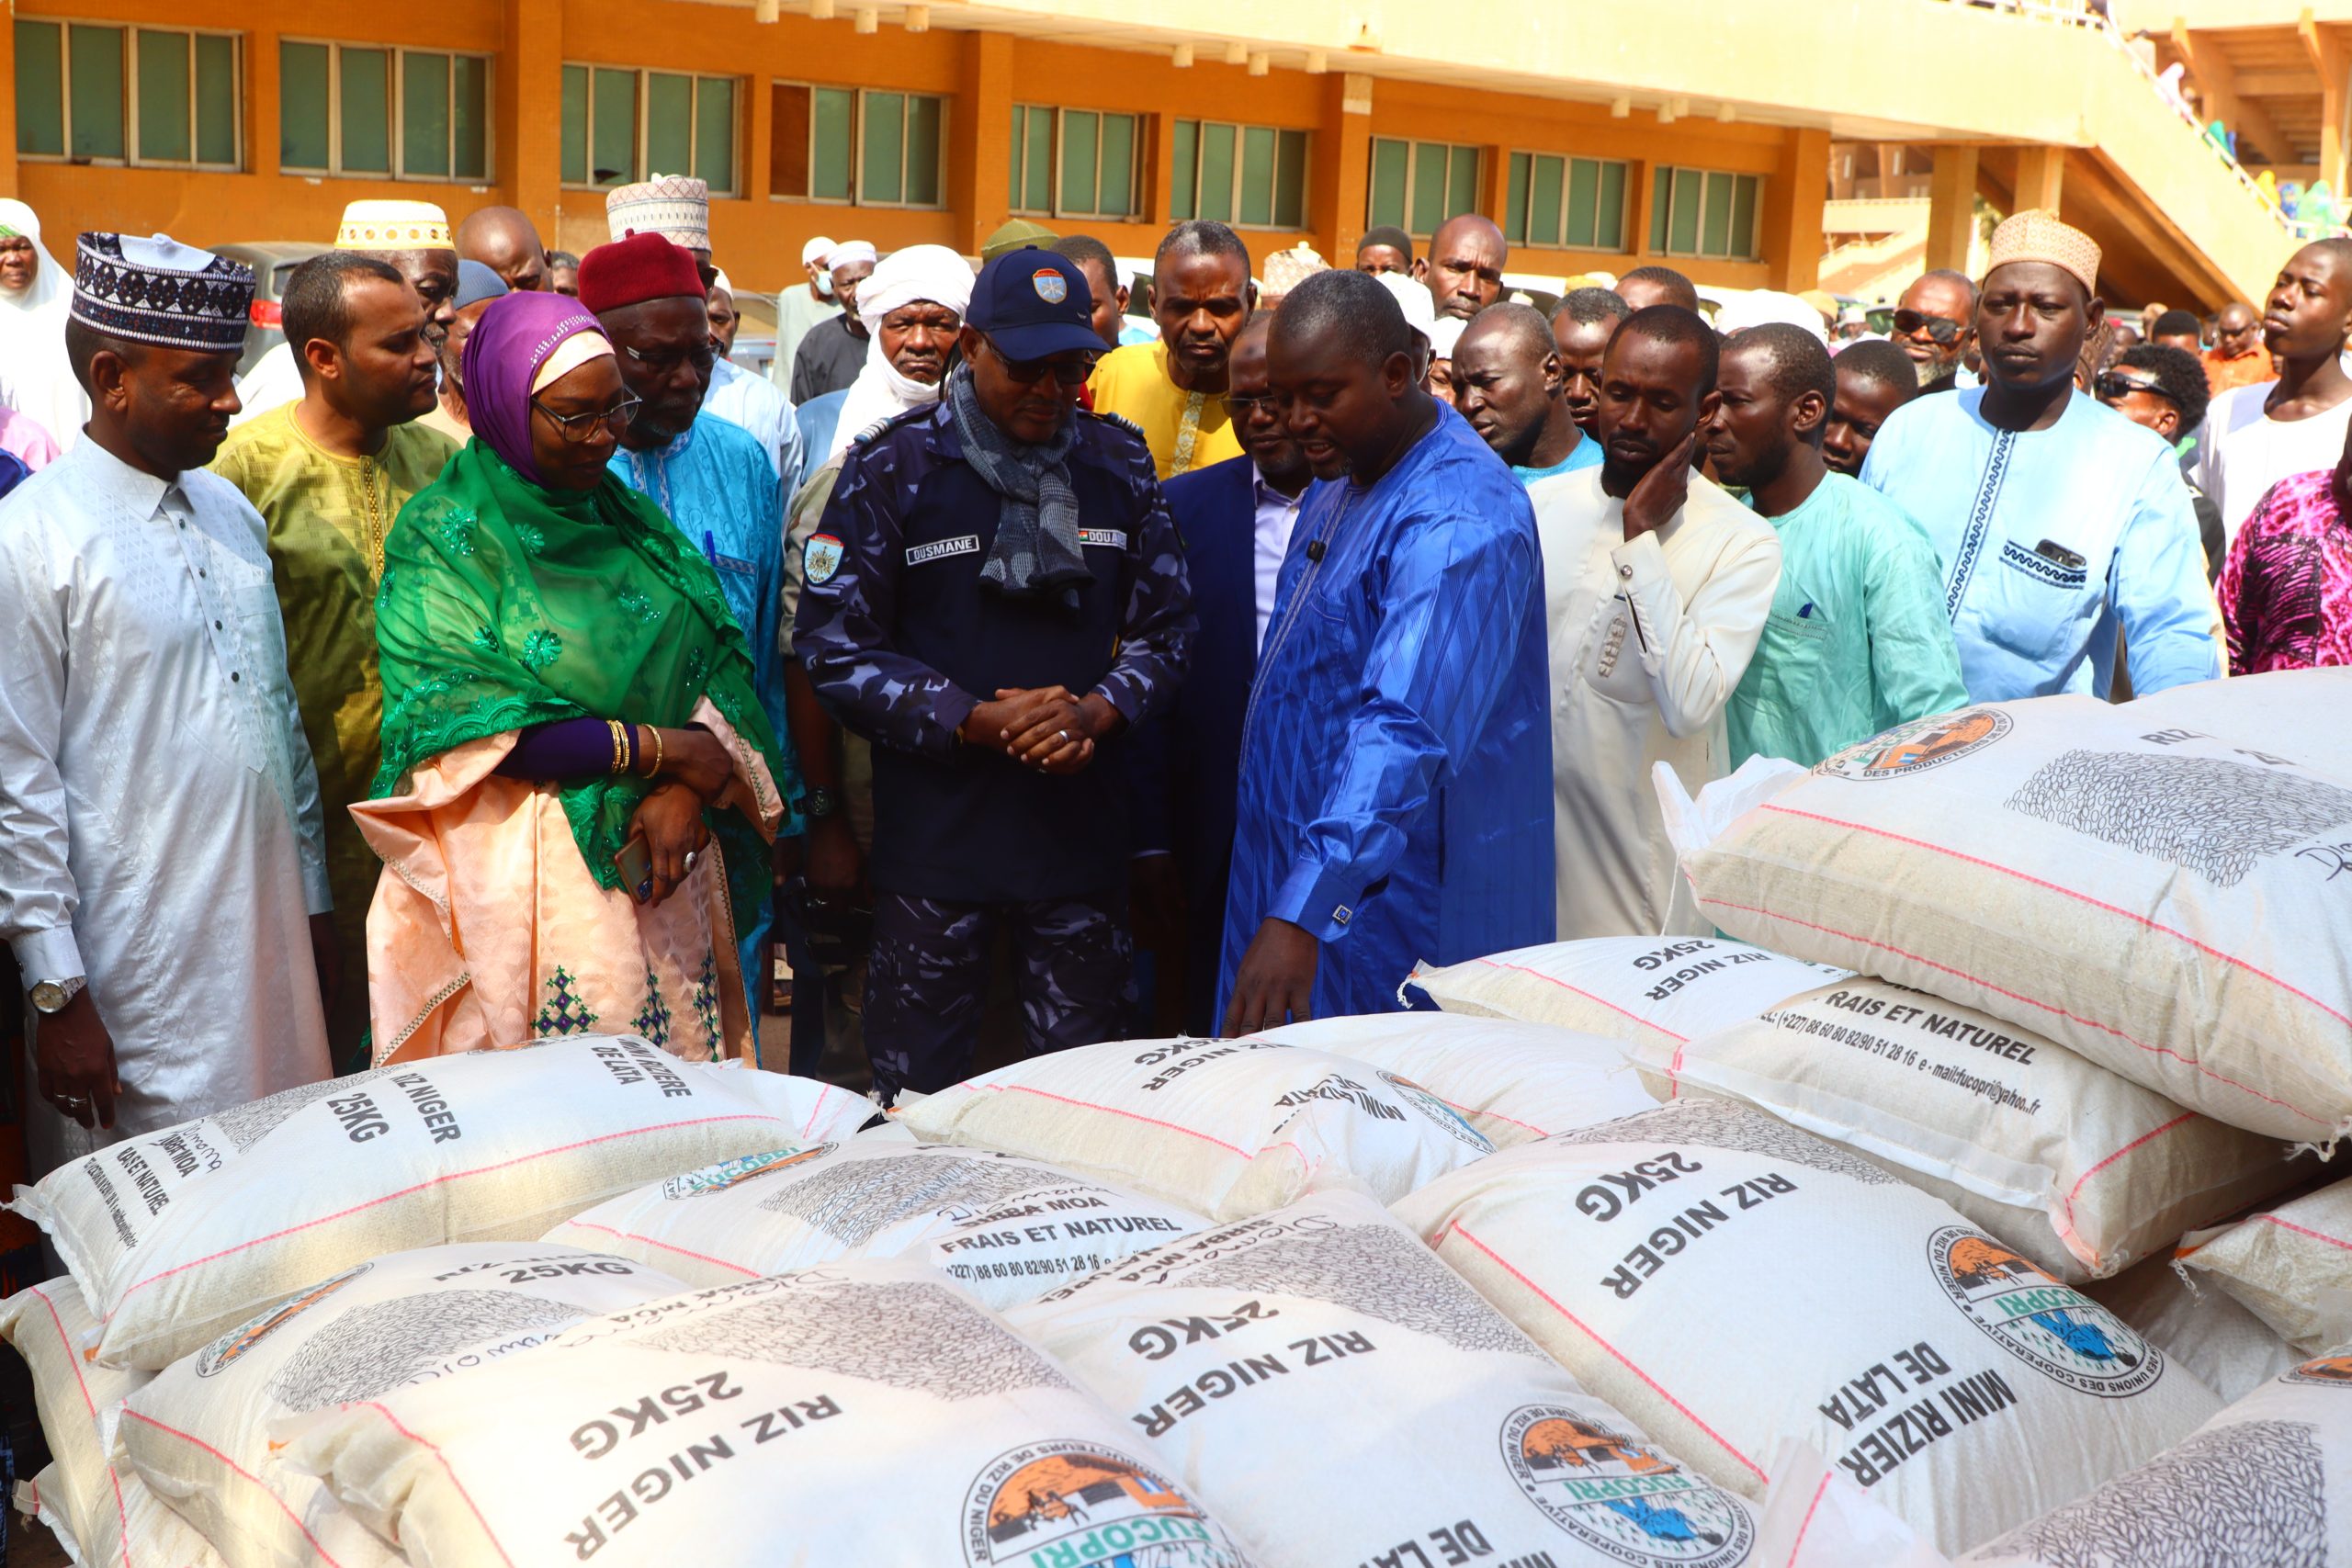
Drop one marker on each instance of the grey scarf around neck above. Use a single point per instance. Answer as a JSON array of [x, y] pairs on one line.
[[1036, 551]]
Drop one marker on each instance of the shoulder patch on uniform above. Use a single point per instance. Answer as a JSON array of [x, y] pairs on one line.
[[820, 558]]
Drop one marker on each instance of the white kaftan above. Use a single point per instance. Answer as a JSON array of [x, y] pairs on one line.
[[1648, 640], [159, 813]]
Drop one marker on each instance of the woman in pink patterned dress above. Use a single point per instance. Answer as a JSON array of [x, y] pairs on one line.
[[2285, 590]]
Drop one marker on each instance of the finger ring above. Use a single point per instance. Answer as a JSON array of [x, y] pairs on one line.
[[1065, 735], [690, 858]]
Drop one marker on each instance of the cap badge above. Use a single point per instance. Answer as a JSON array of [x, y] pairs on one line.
[[1051, 286]]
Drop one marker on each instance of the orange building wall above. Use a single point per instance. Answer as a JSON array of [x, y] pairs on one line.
[[758, 238]]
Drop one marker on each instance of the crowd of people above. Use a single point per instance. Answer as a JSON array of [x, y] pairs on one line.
[[498, 659]]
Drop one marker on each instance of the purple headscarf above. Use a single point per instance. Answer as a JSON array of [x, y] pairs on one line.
[[515, 337]]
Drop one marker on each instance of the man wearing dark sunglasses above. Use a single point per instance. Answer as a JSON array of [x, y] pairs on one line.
[[994, 595], [713, 478], [1933, 323]]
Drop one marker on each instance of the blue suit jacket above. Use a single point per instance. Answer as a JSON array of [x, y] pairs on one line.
[[1187, 763]]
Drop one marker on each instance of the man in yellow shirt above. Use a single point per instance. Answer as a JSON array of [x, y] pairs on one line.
[[1173, 390]]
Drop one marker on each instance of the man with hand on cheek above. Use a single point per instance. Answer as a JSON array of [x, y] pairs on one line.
[[982, 563]]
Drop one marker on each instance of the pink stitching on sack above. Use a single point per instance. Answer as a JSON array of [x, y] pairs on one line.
[[198, 1442]]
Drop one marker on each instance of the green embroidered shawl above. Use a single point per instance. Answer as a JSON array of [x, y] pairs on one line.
[[505, 606]]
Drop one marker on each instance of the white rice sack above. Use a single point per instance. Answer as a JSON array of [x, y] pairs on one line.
[[1434, 1430], [858, 1413], [1228, 1128], [2083, 1171], [2266, 1483], [2201, 1326], [2291, 1267], [2154, 897], [1004, 1228], [178, 1237], [201, 1433], [1728, 1281], [1649, 989], [1512, 1081], [99, 1509], [2283, 704]]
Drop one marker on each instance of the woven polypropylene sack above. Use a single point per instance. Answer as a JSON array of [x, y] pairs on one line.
[[2291, 1267], [99, 1509], [2166, 901], [1227, 1128], [2080, 1169], [179, 1235], [1512, 1081], [2201, 1326], [1728, 1281], [1336, 1395], [864, 1411], [200, 1435], [1649, 989], [2266, 1483], [1004, 1228]]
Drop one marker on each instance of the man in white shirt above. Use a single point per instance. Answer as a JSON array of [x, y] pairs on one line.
[[163, 871], [1656, 585], [2257, 435], [801, 307], [1235, 518]]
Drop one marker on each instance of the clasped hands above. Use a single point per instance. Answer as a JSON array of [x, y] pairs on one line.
[[1043, 728]]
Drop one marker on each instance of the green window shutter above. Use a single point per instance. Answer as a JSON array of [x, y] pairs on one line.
[[669, 123], [1217, 172], [1035, 171], [882, 161], [1116, 184], [1428, 186], [1183, 197], [575, 125], [926, 127], [216, 99], [424, 114], [93, 56], [1391, 162], [833, 143], [1017, 163], [1515, 199], [612, 128], [165, 103], [1257, 175], [1743, 217], [1544, 208], [1689, 193], [470, 114], [1714, 232], [715, 133], [1661, 198], [1290, 180], [1461, 182], [1081, 140], [1609, 226], [40, 89], [363, 75]]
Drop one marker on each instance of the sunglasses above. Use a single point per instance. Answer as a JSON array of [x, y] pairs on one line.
[[2113, 387], [1911, 323], [1070, 369]]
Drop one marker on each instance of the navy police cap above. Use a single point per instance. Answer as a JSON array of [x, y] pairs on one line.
[[1033, 304]]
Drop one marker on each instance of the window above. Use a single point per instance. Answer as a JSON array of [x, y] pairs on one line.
[[870, 146], [1416, 185], [1704, 212], [622, 126], [1074, 162], [1574, 204], [152, 96], [413, 114], [1253, 177]]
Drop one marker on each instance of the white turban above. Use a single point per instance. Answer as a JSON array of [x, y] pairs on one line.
[[912, 273], [1768, 307], [816, 250], [849, 251]]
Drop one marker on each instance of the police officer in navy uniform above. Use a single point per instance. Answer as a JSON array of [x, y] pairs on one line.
[[996, 594]]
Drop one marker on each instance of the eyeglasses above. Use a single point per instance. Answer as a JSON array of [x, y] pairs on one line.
[[2113, 387], [667, 362], [1911, 323], [576, 428], [1241, 408], [1070, 369]]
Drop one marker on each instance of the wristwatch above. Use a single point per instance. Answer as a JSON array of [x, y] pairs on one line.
[[818, 803], [51, 996]]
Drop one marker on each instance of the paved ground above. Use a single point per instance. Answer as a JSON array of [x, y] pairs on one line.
[[31, 1545]]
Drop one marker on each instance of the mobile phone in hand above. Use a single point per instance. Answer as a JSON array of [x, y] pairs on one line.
[[634, 863]]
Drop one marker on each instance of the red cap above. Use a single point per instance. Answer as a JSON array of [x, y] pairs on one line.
[[632, 271]]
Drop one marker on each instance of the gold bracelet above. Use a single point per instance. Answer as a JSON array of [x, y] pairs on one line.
[[655, 770], [620, 753]]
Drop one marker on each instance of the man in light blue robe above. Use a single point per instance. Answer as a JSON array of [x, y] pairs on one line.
[[2057, 520], [1395, 797]]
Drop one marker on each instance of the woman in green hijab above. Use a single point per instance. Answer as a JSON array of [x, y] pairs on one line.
[[577, 781]]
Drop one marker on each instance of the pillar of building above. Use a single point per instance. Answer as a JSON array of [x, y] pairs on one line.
[[2041, 173], [1343, 167], [1952, 207], [1793, 197], [530, 111], [979, 145]]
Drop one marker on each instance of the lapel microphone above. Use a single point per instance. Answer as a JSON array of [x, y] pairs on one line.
[[1315, 550]]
